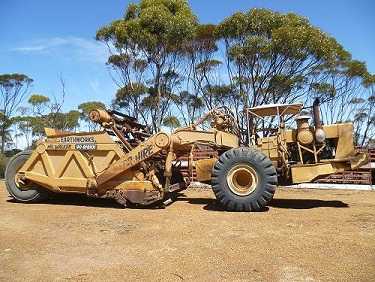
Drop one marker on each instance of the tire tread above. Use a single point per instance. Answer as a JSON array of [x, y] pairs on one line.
[[265, 190]]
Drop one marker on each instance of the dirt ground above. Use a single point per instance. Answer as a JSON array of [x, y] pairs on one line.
[[305, 235]]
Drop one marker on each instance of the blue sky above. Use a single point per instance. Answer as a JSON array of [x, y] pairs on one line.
[[45, 39]]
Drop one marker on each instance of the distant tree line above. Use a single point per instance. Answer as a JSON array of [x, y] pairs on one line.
[[169, 69], [26, 121]]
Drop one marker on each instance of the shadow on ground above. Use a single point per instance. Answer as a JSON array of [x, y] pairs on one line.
[[212, 204], [84, 201], [207, 203], [77, 200], [306, 204]]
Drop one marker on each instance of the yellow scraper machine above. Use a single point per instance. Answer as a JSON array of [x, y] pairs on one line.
[[125, 162]]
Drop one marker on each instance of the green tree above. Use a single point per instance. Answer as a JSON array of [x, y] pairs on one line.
[[132, 98], [39, 103], [24, 127], [13, 88], [65, 121], [203, 68], [189, 106], [148, 41], [364, 115], [46, 113], [273, 57], [172, 122], [340, 90]]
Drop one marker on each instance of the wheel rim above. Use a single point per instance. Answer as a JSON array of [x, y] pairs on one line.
[[242, 180]]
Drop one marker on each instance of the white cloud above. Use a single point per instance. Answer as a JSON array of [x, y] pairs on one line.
[[79, 47], [30, 48]]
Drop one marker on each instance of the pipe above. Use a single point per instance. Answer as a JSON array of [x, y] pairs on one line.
[[320, 135], [316, 113]]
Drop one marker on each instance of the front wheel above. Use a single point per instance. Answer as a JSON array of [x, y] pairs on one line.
[[244, 179], [21, 193]]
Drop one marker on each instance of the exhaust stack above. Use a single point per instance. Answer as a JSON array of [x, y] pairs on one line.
[[320, 135], [316, 113]]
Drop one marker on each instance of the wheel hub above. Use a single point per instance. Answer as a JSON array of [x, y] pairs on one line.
[[20, 181], [242, 180]]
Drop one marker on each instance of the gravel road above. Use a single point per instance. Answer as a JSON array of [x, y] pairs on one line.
[[305, 235]]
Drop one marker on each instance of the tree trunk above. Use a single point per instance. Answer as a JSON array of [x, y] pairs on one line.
[[3, 131], [157, 122]]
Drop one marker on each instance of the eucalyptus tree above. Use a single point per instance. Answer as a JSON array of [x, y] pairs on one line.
[[13, 89], [39, 104], [273, 57], [364, 114], [146, 46], [202, 65], [41, 113], [172, 122], [190, 106], [340, 90]]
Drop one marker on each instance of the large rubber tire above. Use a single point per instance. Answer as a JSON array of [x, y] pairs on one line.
[[33, 194], [244, 179]]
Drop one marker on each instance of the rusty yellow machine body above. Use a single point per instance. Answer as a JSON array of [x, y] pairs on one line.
[[307, 152], [127, 163], [123, 162]]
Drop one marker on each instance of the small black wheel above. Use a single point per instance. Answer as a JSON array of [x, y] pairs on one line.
[[244, 179], [32, 193]]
